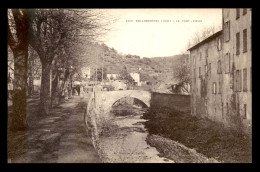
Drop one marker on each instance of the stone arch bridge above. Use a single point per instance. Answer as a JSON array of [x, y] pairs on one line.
[[103, 100]]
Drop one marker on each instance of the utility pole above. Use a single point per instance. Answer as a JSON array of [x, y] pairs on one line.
[[96, 66], [96, 75], [102, 67]]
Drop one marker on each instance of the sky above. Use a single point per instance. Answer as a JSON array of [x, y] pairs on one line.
[[166, 37]]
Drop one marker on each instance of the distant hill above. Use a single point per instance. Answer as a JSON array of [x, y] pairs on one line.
[[155, 69]]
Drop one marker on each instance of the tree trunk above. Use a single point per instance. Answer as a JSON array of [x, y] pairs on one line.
[[55, 90], [18, 118], [30, 85], [45, 93], [30, 77], [70, 88]]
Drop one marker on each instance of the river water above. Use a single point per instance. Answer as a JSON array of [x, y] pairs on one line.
[[125, 141]]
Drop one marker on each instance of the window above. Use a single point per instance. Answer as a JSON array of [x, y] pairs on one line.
[[237, 13], [232, 78], [194, 80], [209, 68], [238, 82], [206, 69], [200, 56], [199, 71], [214, 89], [244, 40], [222, 110], [194, 60], [250, 78], [238, 109], [227, 109], [207, 53], [227, 31], [219, 71], [244, 111], [219, 87], [245, 79], [227, 62], [237, 43], [206, 106], [219, 44], [244, 11]]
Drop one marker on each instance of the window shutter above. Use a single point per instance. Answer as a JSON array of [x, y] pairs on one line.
[[227, 31], [240, 80], [237, 13], [245, 79], [244, 11], [245, 40], [237, 43], [227, 62], [220, 87], [245, 111], [219, 67]]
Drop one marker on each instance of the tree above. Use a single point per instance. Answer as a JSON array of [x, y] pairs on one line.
[[181, 69], [111, 77], [18, 27], [200, 35], [46, 33], [181, 72], [98, 74], [124, 75], [34, 69], [54, 34]]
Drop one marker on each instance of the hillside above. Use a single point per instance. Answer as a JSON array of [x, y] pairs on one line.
[[155, 69]]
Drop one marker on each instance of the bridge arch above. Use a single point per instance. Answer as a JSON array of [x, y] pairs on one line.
[[134, 101], [109, 98], [103, 101]]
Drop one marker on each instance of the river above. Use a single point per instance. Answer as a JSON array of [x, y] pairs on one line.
[[125, 141]]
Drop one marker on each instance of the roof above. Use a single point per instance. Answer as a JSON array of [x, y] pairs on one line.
[[206, 40]]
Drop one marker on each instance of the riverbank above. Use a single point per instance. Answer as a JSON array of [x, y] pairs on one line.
[[57, 138], [202, 135], [123, 140]]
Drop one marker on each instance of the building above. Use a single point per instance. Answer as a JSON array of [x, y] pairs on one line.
[[86, 72], [221, 86], [180, 88], [136, 77], [119, 85], [112, 76]]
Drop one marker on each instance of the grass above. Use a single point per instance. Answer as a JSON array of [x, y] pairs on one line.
[[205, 136]]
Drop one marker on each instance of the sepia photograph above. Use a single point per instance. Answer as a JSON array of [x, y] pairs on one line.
[[129, 85]]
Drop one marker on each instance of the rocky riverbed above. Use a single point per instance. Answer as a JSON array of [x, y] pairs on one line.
[[125, 142], [125, 139]]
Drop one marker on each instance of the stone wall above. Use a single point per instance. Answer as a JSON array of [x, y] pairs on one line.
[[171, 101]]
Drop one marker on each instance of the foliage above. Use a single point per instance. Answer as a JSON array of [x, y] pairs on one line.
[[17, 27], [124, 75], [201, 34], [98, 75], [205, 136], [181, 70]]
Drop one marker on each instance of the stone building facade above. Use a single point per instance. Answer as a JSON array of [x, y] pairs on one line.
[[136, 77], [221, 86]]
